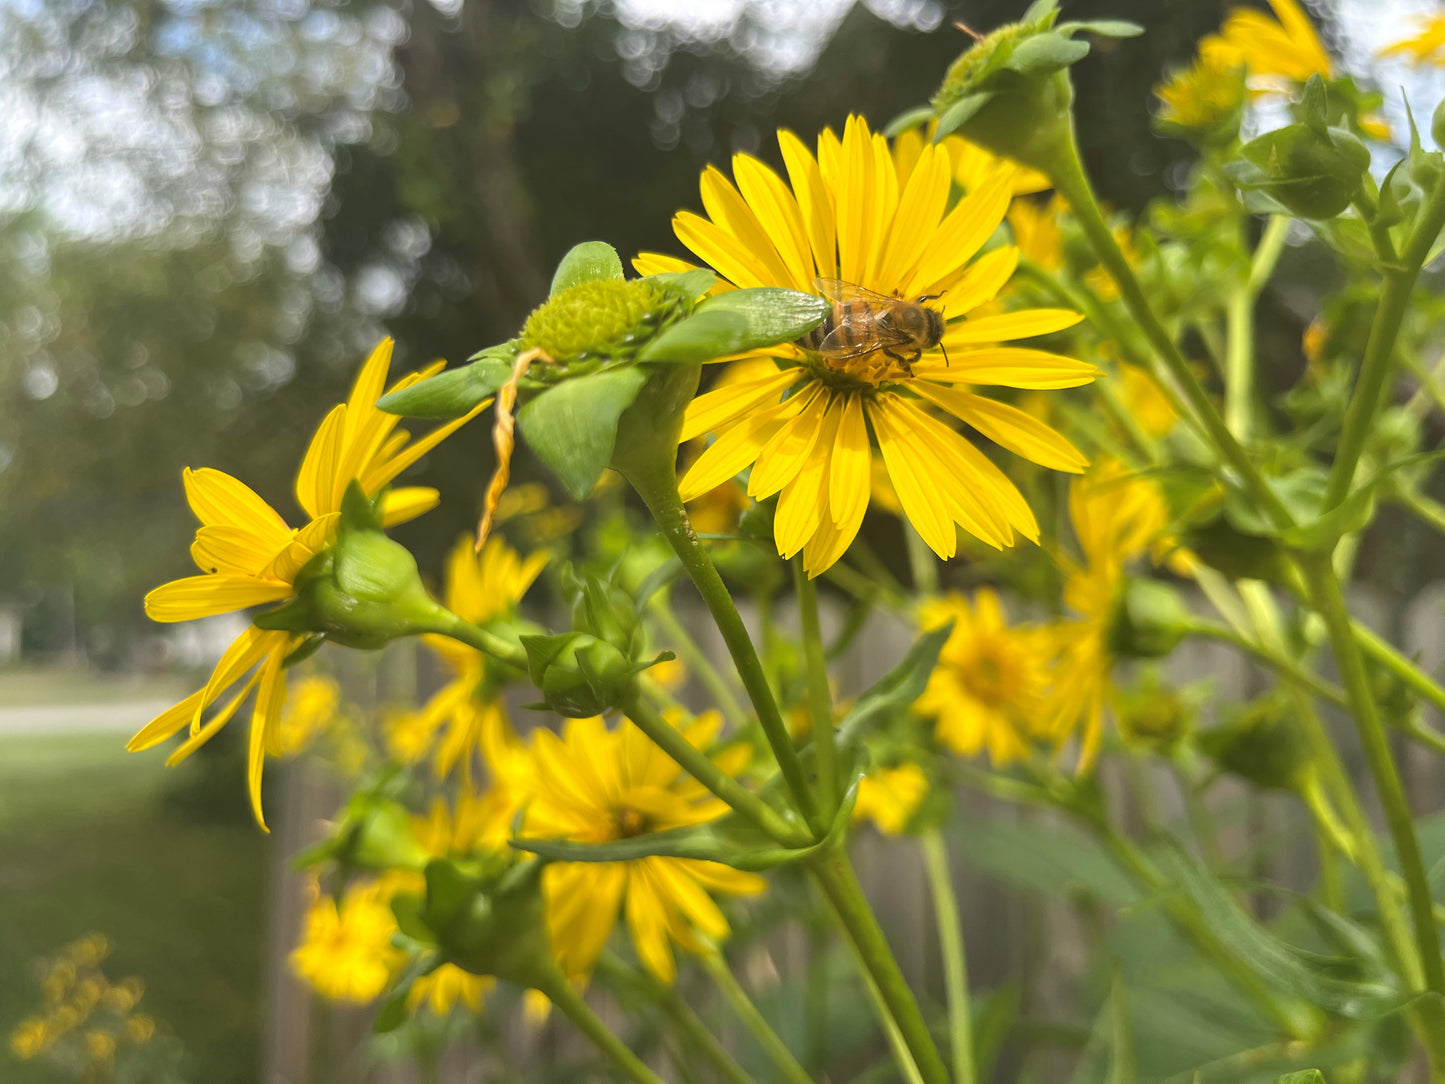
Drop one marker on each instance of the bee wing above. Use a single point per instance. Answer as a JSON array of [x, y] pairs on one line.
[[840, 292], [836, 345]]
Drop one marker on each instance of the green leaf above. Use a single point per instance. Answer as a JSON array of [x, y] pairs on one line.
[[898, 688], [447, 890], [572, 426], [908, 119], [735, 322], [450, 394], [689, 284], [1122, 1066], [730, 839], [1304, 974], [1307, 1076], [960, 113], [1045, 53], [1104, 28], [406, 907], [587, 262]]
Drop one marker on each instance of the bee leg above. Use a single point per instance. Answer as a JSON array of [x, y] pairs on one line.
[[906, 364]]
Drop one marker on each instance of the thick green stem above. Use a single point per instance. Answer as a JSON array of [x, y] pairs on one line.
[[955, 963], [569, 1001], [485, 642], [697, 661], [1068, 175], [656, 484], [1329, 600], [696, 763], [690, 1027], [1283, 664], [820, 700], [834, 875], [757, 1024]]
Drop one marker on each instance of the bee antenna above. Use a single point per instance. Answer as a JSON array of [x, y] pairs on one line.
[[946, 362], [928, 297]]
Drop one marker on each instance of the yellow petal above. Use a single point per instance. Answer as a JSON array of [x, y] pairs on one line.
[[713, 410], [778, 214], [309, 541], [814, 203], [980, 282], [1006, 425], [961, 235], [244, 652], [923, 508], [206, 596], [165, 724], [977, 482], [735, 449], [854, 188], [232, 550], [265, 718], [919, 211], [404, 505], [316, 480], [1009, 325], [804, 500], [1011, 367], [213, 724], [720, 250], [380, 473], [219, 500], [780, 460], [851, 466]]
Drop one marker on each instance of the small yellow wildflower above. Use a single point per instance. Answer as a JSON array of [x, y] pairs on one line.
[[1206, 94], [596, 785], [346, 952], [889, 796], [30, 1038], [986, 691], [139, 1029], [100, 1047], [446, 987], [1035, 229], [1145, 402], [248, 556], [311, 708], [1284, 48], [851, 213], [1426, 47]]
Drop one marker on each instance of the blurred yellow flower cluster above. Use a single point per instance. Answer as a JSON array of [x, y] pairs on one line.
[[84, 1019]]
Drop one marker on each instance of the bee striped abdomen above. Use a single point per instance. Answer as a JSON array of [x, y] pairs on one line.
[[852, 320]]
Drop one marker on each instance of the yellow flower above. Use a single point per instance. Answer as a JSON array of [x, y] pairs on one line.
[[986, 691], [1207, 93], [854, 214], [124, 995], [310, 709], [346, 952], [597, 785], [444, 988], [1426, 47], [1035, 229], [140, 1029], [89, 951], [100, 1047], [248, 556], [889, 796], [1117, 517], [1145, 402], [480, 588], [1285, 48], [30, 1038]]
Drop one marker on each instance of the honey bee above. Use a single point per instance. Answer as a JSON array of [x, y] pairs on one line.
[[863, 322]]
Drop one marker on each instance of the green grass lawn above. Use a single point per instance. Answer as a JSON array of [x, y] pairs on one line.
[[93, 838]]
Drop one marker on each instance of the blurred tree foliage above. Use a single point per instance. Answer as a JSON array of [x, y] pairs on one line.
[[210, 211]]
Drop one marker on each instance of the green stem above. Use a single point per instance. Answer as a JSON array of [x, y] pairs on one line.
[[1329, 600], [1283, 664], [757, 1024], [955, 963], [834, 875], [820, 700], [815, 1005], [1069, 178], [694, 1033], [1431, 511], [1387, 655], [921, 562], [487, 643], [656, 484], [1377, 366], [697, 661], [696, 763], [560, 992]]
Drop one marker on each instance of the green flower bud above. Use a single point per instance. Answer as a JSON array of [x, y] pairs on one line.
[[363, 591], [1313, 171], [602, 318], [578, 674], [1149, 620], [1262, 744], [374, 833], [602, 609], [1155, 716]]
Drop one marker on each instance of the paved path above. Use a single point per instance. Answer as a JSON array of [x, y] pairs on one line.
[[118, 716]]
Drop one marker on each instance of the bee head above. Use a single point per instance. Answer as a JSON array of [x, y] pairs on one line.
[[933, 322]]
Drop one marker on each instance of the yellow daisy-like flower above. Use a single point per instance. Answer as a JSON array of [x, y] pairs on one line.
[[1035, 229], [597, 785], [1205, 94], [1285, 47], [1117, 517], [311, 708], [989, 683], [446, 987], [855, 214], [479, 588], [1426, 47], [889, 796], [248, 556], [346, 952], [30, 1038]]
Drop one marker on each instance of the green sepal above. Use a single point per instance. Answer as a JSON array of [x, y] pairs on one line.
[[1104, 28], [908, 120], [572, 426], [394, 1011], [406, 908], [604, 609], [579, 675], [374, 833], [959, 114], [1044, 54], [1315, 173], [736, 322], [308, 647], [688, 285], [489, 924], [587, 262], [731, 840], [898, 688], [452, 393], [1308, 976]]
